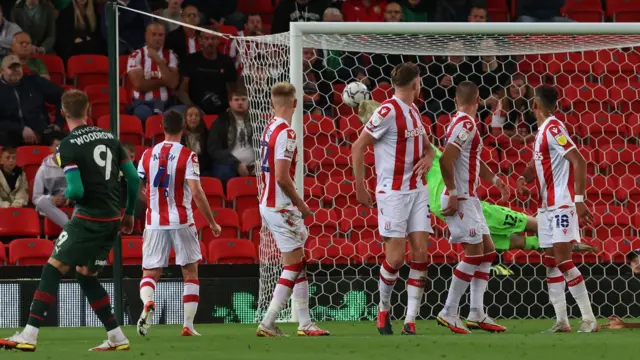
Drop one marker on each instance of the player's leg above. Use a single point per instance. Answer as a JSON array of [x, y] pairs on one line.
[[565, 233], [418, 230], [44, 297], [156, 247], [188, 254]]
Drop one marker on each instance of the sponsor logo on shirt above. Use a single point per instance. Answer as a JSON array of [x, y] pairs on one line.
[[414, 133], [537, 156]]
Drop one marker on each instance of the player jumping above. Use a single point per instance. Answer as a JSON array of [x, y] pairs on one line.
[[560, 172], [92, 160], [172, 175], [461, 170], [403, 154], [283, 211]]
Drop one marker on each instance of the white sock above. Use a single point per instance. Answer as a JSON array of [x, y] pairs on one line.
[[301, 300], [190, 300], [578, 289], [388, 277], [147, 289], [116, 335], [557, 298], [282, 292], [30, 333], [415, 290], [462, 276], [479, 286]]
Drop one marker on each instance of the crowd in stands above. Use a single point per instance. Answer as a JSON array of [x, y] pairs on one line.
[[170, 66]]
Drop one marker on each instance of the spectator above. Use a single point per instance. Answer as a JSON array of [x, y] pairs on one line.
[[415, 11], [184, 40], [207, 76], [153, 72], [490, 75], [453, 10], [24, 50], [296, 10], [195, 137], [24, 118], [341, 66], [49, 186], [317, 90], [229, 143], [514, 115], [7, 31], [253, 27], [364, 10], [173, 11], [478, 13], [541, 11], [78, 30], [14, 188], [393, 12], [38, 19], [131, 25]]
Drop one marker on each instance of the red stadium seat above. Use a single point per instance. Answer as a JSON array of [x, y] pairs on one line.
[[51, 229], [318, 131], [610, 221], [19, 222], [571, 68], [441, 127], [340, 192], [633, 121], [153, 129], [313, 192], [209, 119], [227, 219], [382, 93], [604, 129], [4, 260], [584, 10], [370, 251], [621, 159], [441, 251], [327, 250], [360, 223], [251, 226], [131, 251], [213, 190], [616, 249], [30, 251], [601, 189], [329, 161], [349, 128], [102, 92], [522, 257], [130, 128], [592, 157], [491, 157], [29, 158], [242, 193], [342, 109], [516, 160], [232, 251], [323, 223], [623, 10], [587, 98], [55, 67], [102, 107], [88, 69], [140, 149], [629, 192]]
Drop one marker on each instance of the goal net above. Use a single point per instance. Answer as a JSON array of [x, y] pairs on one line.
[[594, 67]]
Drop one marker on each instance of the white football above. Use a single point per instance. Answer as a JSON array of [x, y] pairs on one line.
[[354, 93]]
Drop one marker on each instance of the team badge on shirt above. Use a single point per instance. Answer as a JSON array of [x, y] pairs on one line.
[[559, 136], [195, 164]]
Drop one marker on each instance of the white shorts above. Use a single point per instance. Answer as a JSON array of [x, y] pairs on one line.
[[468, 225], [157, 244], [287, 227], [558, 226], [401, 214]]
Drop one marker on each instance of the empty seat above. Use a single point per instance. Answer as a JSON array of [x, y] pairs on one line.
[[522, 257], [323, 223], [604, 129], [213, 190], [251, 225], [340, 192], [360, 223], [153, 129], [55, 67], [313, 192], [4, 260], [30, 251], [441, 251], [370, 251], [131, 250], [623, 10], [616, 249], [232, 251], [318, 131], [88, 69], [242, 193], [349, 128], [29, 158], [327, 250], [587, 98], [328, 161], [610, 221], [584, 10], [19, 222], [621, 159], [130, 128], [227, 219], [51, 229], [601, 189]]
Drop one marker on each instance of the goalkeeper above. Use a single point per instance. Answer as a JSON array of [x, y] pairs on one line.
[[507, 227]]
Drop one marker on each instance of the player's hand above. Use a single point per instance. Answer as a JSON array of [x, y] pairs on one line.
[[305, 211], [614, 323], [446, 81], [423, 165], [452, 206], [363, 197], [29, 135], [127, 224], [215, 229], [58, 200], [153, 55], [504, 189], [521, 187], [583, 212], [243, 170]]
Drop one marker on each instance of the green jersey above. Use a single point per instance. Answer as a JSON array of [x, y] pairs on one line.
[[435, 184], [97, 154]]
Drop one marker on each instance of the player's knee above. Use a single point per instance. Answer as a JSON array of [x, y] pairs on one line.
[[473, 249], [83, 270], [63, 268]]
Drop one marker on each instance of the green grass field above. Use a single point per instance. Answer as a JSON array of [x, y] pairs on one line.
[[348, 340]]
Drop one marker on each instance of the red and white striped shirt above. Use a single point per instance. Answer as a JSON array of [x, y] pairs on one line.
[[192, 43], [166, 167], [140, 59], [554, 173], [398, 129], [463, 134], [278, 143]]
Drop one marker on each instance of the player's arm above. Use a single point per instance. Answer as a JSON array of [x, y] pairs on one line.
[[357, 156], [447, 161], [168, 70], [201, 202], [133, 185], [287, 185], [425, 162], [75, 189], [580, 170]]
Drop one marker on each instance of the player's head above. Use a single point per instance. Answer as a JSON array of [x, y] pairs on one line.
[[75, 106], [546, 99], [283, 99], [634, 261], [406, 77], [8, 158], [173, 123], [467, 96]]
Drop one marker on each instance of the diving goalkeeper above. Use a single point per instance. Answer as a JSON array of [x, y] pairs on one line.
[[507, 227]]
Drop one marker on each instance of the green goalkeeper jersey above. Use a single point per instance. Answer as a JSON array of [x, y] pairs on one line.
[[435, 184]]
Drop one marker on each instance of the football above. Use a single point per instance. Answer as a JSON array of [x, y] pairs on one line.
[[354, 93]]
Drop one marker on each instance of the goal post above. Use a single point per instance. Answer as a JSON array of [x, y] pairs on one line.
[[345, 255]]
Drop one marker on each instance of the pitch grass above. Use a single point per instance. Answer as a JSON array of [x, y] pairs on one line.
[[348, 340]]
